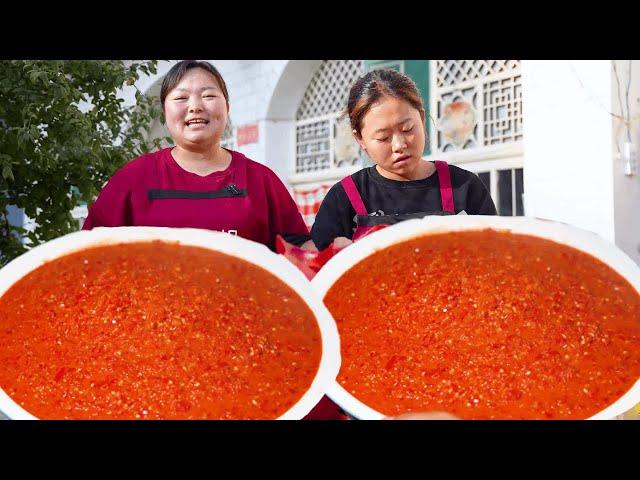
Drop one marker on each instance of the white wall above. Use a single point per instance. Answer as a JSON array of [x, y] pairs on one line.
[[567, 143], [280, 115]]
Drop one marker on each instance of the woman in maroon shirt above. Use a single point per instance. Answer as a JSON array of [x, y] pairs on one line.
[[198, 183]]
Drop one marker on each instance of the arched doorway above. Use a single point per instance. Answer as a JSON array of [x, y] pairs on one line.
[[314, 143]]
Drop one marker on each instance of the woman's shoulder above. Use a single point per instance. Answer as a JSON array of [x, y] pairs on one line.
[[362, 173], [144, 162], [459, 171], [254, 165], [136, 169], [254, 169], [250, 165], [462, 175], [357, 177]]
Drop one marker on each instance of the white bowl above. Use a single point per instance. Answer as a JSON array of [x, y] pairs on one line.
[[558, 232], [247, 250]]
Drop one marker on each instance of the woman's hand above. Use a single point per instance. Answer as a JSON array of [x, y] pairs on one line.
[[338, 244], [309, 245], [341, 242]]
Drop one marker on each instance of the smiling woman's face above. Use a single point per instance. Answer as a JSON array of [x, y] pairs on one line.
[[393, 135], [196, 111]]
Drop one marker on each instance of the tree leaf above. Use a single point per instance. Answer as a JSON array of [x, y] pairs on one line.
[[7, 172], [64, 126]]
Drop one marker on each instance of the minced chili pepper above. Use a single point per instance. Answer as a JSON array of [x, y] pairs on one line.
[[154, 330], [486, 324]]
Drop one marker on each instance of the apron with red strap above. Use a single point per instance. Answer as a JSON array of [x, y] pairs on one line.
[[326, 409], [446, 195]]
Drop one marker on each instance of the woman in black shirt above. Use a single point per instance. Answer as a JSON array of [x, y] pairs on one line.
[[388, 121]]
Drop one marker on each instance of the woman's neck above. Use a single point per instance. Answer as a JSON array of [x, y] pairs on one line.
[[423, 170], [202, 162]]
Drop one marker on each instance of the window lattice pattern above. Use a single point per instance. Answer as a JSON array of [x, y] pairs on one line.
[[502, 111], [327, 92], [454, 72], [313, 151], [493, 89], [323, 142]]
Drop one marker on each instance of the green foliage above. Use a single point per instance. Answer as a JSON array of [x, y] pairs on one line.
[[63, 125]]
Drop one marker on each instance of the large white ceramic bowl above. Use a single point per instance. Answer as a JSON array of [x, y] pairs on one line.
[[247, 250], [565, 234]]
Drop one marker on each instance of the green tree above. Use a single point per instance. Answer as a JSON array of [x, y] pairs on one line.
[[63, 132]]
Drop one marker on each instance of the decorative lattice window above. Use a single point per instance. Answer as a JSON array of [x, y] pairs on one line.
[[323, 135], [478, 103]]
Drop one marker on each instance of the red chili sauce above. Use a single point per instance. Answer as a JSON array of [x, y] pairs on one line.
[[486, 325], [154, 330]]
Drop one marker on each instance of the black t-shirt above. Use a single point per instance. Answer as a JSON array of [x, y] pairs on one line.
[[401, 200]]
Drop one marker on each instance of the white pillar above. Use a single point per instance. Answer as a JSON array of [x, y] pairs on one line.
[[279, 126], [280, 146], [568, 164]]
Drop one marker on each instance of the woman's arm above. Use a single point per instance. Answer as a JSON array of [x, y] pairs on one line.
[[112, 208], [479, 201], [284, 217], [334, 218]]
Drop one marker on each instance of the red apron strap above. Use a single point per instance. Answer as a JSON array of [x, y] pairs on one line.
[[354, 196], [446, 192]]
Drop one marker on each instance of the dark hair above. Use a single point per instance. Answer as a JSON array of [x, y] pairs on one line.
[[173, 77], [374, 85]]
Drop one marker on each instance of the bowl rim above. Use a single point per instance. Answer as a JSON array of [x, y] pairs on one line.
[[247, 250], [586, 241]]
